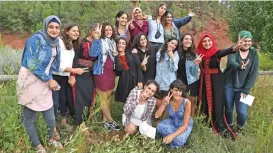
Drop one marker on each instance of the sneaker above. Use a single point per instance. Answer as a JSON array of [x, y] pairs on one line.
[[226, 134], [114, 125], [107, 126], [239, 131]]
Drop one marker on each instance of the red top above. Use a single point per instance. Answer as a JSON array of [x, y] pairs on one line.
[[207, 52], [136, 29], [123, 62]]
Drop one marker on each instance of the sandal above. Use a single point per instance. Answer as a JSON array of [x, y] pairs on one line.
[[56, 135], [56, 144], [41, 150]]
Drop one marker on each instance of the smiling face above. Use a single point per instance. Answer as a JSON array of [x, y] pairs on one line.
[[176, 93], [246, 44], [73, 33], [108, 31], [169, 18], [207, 43], [172, 45], [121, 46], [162, 10], [53, 29], [138, 14], [148, 91], [143, 41], [123, 19], [187, 42]]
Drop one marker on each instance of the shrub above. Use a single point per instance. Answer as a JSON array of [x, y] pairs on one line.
[[10, 60]]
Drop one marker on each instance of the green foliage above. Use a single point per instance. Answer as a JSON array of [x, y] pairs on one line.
[[266, 62], [255, 17], [257, 135], [10, 60]]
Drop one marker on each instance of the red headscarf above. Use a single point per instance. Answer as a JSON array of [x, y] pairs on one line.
[[207, 52]]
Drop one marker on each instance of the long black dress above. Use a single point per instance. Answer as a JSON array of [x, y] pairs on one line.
[[83, 91], [150, 72], [211, 91], [128, 79]]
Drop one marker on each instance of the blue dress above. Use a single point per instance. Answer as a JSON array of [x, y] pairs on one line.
[[173, 123]]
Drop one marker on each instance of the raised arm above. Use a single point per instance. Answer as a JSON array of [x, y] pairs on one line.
[[96, 48], [224, 52], [182, 21]]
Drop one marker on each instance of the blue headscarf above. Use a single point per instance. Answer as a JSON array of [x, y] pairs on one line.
[[53, 42]]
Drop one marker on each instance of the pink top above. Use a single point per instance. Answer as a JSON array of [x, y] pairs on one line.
[[33, 92]]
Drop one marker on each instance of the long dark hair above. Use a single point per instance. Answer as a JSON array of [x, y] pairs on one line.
[[117, 42], [156, 13], [136, 42], [119, 14], [191, 52], [164, 17], [164, 49], [67, 42], [103, 30]]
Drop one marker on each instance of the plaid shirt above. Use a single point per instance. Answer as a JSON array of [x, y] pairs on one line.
[[132, 102]]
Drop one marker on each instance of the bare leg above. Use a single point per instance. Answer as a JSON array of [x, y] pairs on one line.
[[193, 105], [106, 106]]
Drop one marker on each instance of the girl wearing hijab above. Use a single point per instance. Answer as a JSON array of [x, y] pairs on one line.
[[138, 25], [35, 83], [211, 88], [104, 49], [172, 27]]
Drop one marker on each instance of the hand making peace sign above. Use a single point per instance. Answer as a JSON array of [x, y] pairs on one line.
[[198, 59], [239, 44], [98, 31], [145, 60], [167, 98]]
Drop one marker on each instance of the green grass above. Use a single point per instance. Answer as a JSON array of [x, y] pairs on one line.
[[257, 137]]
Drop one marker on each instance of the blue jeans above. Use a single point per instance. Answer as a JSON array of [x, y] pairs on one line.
[[56, 103], [29, 123], [233, 96]]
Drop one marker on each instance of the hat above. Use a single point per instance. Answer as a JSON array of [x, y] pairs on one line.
[[245, 34]]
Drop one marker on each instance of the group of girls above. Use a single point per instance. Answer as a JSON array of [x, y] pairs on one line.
[[61, 72]]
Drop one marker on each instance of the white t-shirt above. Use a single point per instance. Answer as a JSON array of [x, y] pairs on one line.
[[66, 59]]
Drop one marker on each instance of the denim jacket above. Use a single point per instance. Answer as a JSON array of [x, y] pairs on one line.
[[95, 51], [166, 70], [37, 55], [192, 71]]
